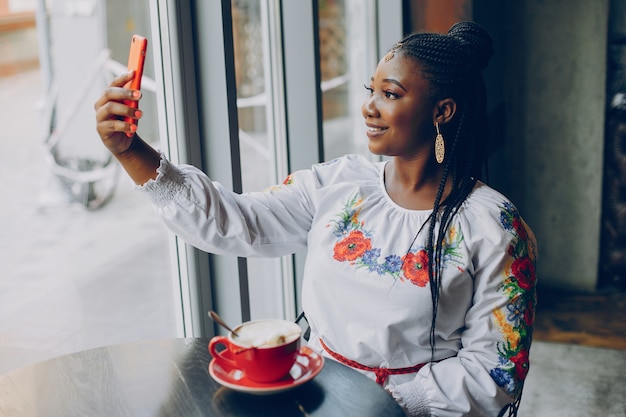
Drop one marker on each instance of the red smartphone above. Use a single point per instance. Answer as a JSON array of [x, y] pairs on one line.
[[136, 59]]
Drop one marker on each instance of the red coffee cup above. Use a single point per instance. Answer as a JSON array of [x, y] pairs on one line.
[[265, 350]]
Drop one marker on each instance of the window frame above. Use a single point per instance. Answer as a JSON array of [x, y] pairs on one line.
[[195, 70]]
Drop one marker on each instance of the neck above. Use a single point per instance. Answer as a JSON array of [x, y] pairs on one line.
[[413, 184]]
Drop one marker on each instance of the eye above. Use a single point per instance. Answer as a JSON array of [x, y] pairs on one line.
[[390, 95], [370, 89]]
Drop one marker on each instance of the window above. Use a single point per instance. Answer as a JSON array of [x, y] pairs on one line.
[[85, 261], [247, 90], [278, 88], [344, 62]]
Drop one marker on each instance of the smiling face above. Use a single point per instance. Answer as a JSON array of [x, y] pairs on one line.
[[399, 113]]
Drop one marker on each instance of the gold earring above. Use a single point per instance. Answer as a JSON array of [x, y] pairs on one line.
[[440, 147]]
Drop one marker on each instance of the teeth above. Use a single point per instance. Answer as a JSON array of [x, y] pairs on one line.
[[375, 129]]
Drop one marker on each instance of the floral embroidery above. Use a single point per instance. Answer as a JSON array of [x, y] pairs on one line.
[[416, 267], [516, 319], [354, 245], [288, 180]]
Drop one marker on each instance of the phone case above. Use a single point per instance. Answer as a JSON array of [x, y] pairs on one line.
[[136, 59]]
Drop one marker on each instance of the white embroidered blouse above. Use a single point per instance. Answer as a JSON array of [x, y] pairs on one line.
[[366, 292]]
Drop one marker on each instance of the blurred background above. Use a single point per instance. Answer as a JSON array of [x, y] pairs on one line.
[[84, 261], [75, 236]]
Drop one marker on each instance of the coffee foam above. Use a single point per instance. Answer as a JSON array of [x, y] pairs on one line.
[[266, 333]]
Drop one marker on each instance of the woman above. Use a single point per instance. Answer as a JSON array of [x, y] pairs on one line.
[[417, 273]]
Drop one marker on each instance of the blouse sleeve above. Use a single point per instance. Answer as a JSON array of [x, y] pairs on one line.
[[206, 215], [490, 368]]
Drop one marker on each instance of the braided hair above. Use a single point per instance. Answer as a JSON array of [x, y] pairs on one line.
[[453, 64]]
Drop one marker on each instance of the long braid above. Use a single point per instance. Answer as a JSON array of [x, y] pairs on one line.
[[436, 246], [453, 63], [433, 252]]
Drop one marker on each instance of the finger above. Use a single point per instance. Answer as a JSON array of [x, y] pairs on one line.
[[110, 110], [116, 91], [123, 79], [116, 95], [116, 110], [131, 130], [107, 128]]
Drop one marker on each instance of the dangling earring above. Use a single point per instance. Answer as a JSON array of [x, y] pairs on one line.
[[440, 147]]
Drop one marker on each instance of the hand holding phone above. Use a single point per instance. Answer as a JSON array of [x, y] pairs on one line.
[[136, 59]]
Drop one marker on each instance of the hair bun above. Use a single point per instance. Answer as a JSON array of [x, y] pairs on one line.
[[475, 40]]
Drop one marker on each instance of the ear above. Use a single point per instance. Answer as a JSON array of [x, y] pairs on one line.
[[444, 110]]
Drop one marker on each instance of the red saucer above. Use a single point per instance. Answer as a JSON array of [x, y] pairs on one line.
[[308, 364]]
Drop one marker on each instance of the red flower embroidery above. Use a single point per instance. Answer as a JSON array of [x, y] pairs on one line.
[[529, 314], [521, 364], [523, 270], [415, 267], [352, 247], [519, 228]]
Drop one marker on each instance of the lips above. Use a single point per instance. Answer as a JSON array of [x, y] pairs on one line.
[[375, 131]]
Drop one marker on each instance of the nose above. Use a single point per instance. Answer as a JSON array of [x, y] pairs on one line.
[[368, 109]]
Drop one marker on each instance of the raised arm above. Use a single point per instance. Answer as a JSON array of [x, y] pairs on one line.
[[138, 158]]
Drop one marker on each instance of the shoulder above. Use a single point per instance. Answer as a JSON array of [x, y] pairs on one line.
[[355, 170], [349, 168], [484, 200], [357, 163], [490, 216], [488, 204]]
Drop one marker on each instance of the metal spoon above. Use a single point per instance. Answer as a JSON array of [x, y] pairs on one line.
[[221, 322]]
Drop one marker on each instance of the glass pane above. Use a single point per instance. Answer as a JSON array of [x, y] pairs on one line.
[[258, 158], [257, 154], [85, 262], [343, 26]]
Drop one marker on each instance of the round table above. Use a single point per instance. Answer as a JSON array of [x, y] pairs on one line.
[[170, 378]]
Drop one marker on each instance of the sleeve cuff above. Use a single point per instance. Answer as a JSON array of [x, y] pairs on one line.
[[170, 181], [412, 397]]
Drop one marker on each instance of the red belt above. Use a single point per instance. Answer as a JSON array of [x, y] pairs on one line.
[[381, 373]]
